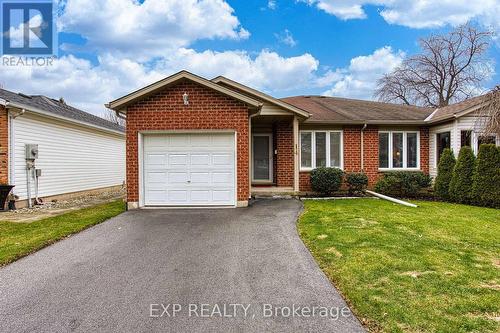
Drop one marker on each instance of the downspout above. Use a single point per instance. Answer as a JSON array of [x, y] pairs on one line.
[[363, 148]]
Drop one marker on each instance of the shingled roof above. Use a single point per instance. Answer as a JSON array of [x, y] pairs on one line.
[[58, 109], [350, 111], [450, 111]]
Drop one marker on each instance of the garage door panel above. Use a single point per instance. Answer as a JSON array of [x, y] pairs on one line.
[[175, 178], [177, 160], [200, 160], [189, 169], [222, 159], [156, 159], [156, 196], [178, 196], [201, 196], [200, 178], [179, 140], [222, 195], [222, 177]]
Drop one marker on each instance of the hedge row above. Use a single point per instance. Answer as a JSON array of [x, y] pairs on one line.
[[328, 181], [470, 180]]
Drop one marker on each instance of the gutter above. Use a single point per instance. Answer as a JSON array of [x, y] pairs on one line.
[[13, 105]]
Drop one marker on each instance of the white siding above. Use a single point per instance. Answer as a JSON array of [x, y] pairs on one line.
[[469, 122], [72, 158], [433, 146]]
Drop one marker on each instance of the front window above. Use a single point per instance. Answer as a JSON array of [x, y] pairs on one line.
[[398, 150], [306, 150], [465, 138], [320, 149], [443, 141]]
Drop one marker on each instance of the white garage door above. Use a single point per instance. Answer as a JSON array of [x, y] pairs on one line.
[[189, 169]]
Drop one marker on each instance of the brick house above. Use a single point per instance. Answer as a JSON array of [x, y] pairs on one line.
[[198, 142]]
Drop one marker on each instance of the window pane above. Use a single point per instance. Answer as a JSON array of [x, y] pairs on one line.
[[320, 149], [335, 149], [411, 150], [443, 142], [383, 150], [397, 150], [465, 138], [305, 150]]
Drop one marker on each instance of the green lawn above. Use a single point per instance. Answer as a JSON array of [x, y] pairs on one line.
[[20, 239], [435, 268]]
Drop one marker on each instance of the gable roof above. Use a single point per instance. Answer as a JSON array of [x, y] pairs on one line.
[[260, 95], [57, 109], [458, 109], [350, 111], [121, 103]]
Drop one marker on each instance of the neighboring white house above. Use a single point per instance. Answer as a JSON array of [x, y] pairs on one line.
[[458, 125], [77, 151]]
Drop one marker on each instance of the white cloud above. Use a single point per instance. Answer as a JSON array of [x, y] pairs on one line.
[[131, 29], [359, 79], [286, 38], [271, 4], [417, 13], [89, 86]]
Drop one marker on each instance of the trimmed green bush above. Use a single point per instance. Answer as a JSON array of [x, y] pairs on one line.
[[403, 184], [356, 182], [326, 180], [461, 181], [486, 179], [445, 172]]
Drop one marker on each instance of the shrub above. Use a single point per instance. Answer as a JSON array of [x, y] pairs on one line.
[[461, 181], [486, 179], [326, 180], [445, 172], [357, 182], [406, 184]]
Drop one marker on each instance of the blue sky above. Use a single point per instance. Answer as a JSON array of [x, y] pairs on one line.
[[330, 47]]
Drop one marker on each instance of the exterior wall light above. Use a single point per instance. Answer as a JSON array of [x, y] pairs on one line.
[[185, 98]]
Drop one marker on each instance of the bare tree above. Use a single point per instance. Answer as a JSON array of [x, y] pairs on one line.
[[489, 116], [111, 116], [450, 68]]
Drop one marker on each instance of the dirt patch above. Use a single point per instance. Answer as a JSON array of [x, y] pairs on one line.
[[493, 285], [322, 236], [416, 274], [58, 207], [334, 251]]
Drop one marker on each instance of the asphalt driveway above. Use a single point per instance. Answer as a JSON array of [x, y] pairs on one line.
[[220, 270]]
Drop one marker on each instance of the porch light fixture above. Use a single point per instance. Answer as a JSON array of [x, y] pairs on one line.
[[185, 98]]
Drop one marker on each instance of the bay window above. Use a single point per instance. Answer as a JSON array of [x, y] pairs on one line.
[[399, 150], [320, 149]]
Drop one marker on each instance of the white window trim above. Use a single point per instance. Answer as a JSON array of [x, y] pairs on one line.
[[405, 151], [475, 141], [328, 149]]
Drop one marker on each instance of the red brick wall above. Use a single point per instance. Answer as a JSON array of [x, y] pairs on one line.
[[284, 159], [424, 149], [4, 146], [370, 152], [352, 154], [352, 148], [207, 109]]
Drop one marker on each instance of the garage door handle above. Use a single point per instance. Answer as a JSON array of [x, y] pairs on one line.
[[189, 181]]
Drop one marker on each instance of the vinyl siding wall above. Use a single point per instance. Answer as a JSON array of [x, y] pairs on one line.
[[72, 158], [466, 123]]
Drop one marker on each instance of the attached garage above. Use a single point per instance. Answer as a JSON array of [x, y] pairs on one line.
[[189, 169]]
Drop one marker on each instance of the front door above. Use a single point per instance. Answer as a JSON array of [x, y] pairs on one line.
[[262, 168]]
